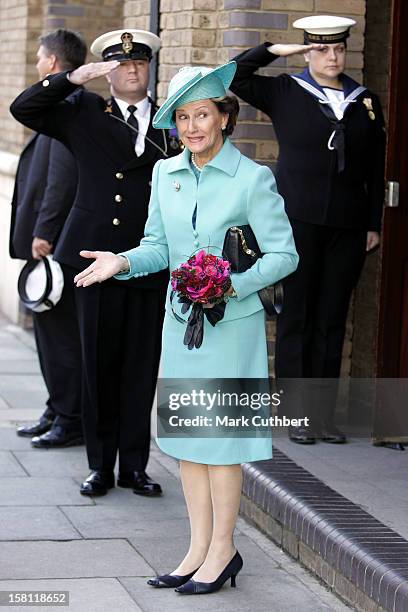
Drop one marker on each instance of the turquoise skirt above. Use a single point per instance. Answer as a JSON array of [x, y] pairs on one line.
[[231, 349]]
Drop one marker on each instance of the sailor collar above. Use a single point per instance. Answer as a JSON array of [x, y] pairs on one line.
[[351, 88]]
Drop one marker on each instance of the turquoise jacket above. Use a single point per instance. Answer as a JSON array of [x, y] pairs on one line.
[[232, 190]]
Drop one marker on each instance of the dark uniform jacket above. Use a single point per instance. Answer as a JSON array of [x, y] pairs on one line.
[[44, 192], [307, 174], [111, 205]]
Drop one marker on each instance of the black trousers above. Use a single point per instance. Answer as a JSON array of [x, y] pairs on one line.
[[120, 329], [311, 328], [59, 350]]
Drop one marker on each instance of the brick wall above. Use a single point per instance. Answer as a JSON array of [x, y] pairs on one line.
[[211, 32], [137, 14], [15, 42], [21, 22]]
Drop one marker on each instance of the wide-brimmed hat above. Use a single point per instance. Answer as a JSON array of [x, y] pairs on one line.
[[193, 83], [40, 284], [324, 29], [124, 45]]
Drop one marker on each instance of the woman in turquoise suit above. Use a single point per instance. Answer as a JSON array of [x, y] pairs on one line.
[[196, 197]]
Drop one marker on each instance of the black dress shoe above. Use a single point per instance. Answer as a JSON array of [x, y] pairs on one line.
[[168, 581], [37, 429], [202, 588], [58, 437], [330, 433], [302, 435], [140, 483], [98, 483]]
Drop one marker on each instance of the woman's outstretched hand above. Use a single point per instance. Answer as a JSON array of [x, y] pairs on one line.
[[106, 264]]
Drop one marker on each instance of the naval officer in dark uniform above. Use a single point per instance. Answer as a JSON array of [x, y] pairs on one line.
[[330, 172], [120, 323]]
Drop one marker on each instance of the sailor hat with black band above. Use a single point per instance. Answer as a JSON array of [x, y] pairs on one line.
[[124, 45], [40, 284], [324, 29]]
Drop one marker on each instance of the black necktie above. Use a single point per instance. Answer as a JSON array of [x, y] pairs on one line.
[[133, 122]]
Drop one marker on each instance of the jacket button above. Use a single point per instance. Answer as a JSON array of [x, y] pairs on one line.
[[118, 198], [116, 221], [119, 175], [45, 83]]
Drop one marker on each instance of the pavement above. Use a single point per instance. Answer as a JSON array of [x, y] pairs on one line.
[[102, 551], [374, 478]]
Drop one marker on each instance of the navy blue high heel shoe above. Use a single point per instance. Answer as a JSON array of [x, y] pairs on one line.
[[191, 587], [168, 581]]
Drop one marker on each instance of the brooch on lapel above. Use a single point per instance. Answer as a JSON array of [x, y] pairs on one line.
[[176, 186], [368, 103], [108, 108]]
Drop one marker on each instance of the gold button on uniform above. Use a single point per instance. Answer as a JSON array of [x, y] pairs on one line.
[[116, 221], [119, 175], [118, 198], [46, 83]]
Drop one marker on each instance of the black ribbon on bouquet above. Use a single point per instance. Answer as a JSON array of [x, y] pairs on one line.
[[193, 337]]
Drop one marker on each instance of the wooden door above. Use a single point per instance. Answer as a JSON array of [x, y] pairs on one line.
[[392, 358]]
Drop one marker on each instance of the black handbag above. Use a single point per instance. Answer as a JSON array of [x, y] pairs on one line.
[[242, 250]]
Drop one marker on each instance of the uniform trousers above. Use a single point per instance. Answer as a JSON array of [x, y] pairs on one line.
[[311, 328], [120, 329], [59, 350]]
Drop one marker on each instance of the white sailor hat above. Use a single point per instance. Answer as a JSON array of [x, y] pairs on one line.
[[40, 284], [324, 29], [123, 45]]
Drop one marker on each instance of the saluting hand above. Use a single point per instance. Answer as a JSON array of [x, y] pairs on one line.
[[286, 50], [105, 266], [91, 71]]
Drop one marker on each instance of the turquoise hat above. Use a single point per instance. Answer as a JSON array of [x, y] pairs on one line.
[[193, 83]]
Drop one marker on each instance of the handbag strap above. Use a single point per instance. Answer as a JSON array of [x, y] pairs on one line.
[[244, 245]]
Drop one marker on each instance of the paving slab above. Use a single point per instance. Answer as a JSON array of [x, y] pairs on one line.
[[9, 466], [26, 399], [85, 595], [164, 552], [24, 366], [41, 492], [122, 522], [53, 462], [35, 523], [73, 559], [9, 440], [3, 404], [11, 417], [171, 495], [278, 593]]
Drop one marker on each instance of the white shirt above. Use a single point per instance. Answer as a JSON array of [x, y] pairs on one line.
[[142, 114], [336, 97]]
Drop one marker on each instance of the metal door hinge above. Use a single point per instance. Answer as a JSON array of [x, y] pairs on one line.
[[392, 194]]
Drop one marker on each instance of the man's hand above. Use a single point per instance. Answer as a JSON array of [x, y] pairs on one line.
[[286, 50], [373, 240], [91, 71], [40, 248], [106, 264]]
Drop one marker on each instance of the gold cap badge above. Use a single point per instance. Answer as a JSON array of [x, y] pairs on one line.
[[127, 42]]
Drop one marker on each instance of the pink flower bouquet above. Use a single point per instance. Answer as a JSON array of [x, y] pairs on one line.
[[202, 279]]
